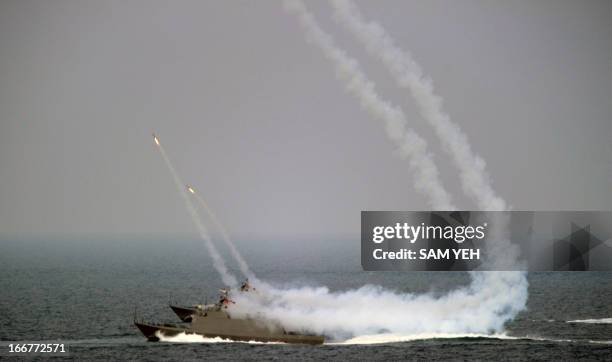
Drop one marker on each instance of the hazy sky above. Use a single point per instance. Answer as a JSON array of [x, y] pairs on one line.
[[253, 116]]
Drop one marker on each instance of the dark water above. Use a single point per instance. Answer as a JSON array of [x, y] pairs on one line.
[[83, 293]]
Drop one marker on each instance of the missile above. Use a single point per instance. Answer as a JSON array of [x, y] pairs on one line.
[[190, 189], [155, 139]]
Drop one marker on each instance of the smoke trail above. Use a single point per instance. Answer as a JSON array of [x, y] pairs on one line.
[[410, 144], [242, 264], [475, 180], [408, 74], [218, 262], [484, 306]]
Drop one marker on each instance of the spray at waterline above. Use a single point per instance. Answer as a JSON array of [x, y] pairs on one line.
[[242, 264], [218, 262]]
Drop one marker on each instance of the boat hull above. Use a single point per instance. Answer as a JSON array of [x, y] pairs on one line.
[[152, 332]]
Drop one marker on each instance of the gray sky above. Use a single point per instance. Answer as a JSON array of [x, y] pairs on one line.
[[254, 117]]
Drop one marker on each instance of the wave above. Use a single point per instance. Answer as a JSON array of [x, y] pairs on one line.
[[542, 339], [365, 339], [197, 338], [385, 338], [593, 321], [600, 342], [396, 338]]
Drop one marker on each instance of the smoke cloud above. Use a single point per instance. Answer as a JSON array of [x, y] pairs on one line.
[[483, 307]]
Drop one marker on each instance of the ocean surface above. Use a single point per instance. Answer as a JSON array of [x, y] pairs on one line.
[[84, 292]]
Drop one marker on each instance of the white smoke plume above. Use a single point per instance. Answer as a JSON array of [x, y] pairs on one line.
[[484, 306], [410, 144], [218, 262], [242, 264], [408, 74]]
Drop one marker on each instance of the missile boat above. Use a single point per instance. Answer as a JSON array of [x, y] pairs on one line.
[[215, 320]]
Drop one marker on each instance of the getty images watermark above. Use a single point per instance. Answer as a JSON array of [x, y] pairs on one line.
[[466, 240]]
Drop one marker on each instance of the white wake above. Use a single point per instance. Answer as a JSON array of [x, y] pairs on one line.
[[592, 321]]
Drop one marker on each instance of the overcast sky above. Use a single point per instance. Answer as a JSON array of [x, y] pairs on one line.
[[253, 116]]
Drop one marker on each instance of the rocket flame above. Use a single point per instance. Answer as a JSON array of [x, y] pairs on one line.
[[190, 189], [155, 139]]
